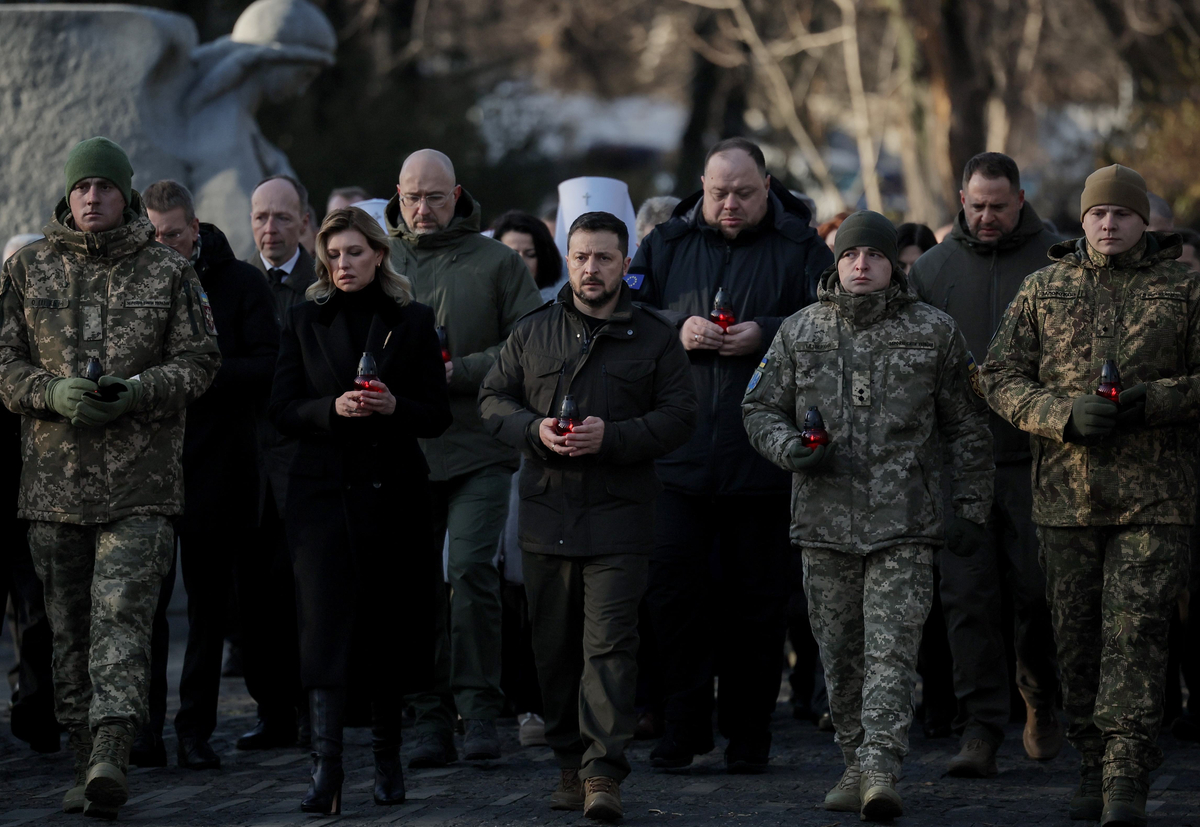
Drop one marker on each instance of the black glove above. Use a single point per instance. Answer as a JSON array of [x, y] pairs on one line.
[[802, 458], [964, 537], [1092, 417], [1131, 414]]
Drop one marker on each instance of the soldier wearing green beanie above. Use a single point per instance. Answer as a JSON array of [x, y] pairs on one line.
[[889, 375], [1114, 493], [98, 287], [100, 158]]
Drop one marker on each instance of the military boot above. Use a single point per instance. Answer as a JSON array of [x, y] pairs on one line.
[[107, 787], [569, 793], [1088, 802], [880, 801], [1124, 802], [80, 744], [844, 798]]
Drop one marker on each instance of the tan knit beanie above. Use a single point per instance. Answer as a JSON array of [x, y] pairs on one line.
[[1117, 185]]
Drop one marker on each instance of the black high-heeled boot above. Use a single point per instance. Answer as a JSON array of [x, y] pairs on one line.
[[325, 708], [385, 742]]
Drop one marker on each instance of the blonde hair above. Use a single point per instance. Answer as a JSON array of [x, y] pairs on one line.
[[353, 218]]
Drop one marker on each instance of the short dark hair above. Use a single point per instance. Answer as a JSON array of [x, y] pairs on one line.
[[742, 144], [992, 165], [600, 222], [301, 192], [351, 194], [909, 234], [549, 260], [167, 195]]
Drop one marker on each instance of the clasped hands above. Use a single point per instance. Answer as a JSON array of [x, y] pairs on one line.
[[358, 403], [741, 339], [1094, 417], [586, 438], [83, 403]]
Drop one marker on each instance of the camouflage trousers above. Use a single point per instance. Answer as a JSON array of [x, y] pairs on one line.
[[867, 612], [102, 584], [1112, 591]]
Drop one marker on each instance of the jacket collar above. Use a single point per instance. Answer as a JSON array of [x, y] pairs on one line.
[[332, 333], [466, 221], [135, 233], [1152, 248], [623, 314], [302, 275], [862, 311]]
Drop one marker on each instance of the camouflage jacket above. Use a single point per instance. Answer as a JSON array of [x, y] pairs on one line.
[[1140, 308], [137, 306], [890, 376]]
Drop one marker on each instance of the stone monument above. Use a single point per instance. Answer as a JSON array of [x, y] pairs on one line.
[[138, 76]]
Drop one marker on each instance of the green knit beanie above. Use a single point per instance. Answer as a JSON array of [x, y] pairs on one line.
[[867, 229], [100, 158], [1116, 185]]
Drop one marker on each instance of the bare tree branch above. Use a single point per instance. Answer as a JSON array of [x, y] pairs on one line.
[[858, 100]]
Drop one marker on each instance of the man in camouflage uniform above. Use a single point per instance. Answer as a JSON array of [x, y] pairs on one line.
[[102, 473], [890, 376], [1114, 488]]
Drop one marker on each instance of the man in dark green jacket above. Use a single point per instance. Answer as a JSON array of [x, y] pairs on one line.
[[478, 288], [996, 242], [586, 519]]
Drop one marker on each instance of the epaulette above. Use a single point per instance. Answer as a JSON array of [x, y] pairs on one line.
[[537, 309], [656, 314]]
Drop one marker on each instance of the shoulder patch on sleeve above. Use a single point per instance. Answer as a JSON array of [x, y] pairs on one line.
[[758, 373], [973, 376], [634, 280], [210, 323]]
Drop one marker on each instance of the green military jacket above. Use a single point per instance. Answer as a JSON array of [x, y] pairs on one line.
[[478, 288], [890, 377], [1140, 308], [138, 307]]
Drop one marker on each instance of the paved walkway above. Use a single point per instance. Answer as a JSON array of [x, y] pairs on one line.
[[264, 788]]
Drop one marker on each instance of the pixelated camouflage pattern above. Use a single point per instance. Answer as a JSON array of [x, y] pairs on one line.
[[102, 585], [1140, 308], [136, 305], [1112, 591], [867, 613], [889, 375]]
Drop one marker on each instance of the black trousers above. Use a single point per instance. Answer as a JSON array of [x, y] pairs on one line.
[[33, 701], [207, 557], [266, 604], [720, 579]]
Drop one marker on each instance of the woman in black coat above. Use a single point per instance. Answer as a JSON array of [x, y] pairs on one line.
[[358, 510]]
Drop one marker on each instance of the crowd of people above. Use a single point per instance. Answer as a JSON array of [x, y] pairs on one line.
[[414, 467]]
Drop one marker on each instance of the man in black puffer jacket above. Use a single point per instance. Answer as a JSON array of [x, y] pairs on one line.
[[720, 577]]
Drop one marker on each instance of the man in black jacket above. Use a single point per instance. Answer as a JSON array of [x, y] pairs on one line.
[[996, 242], [587, 496], [720, 573], [219, 469]]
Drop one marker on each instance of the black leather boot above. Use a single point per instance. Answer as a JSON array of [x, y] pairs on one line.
[[385, 742], [325, 709]]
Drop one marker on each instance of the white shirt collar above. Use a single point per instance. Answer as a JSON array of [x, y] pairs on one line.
[[287, 266]]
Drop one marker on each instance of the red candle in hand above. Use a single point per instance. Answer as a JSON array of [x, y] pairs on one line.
[[444, 341], [367, 372], [813, 433], [1110, 381], [722, 313], [568, 416]]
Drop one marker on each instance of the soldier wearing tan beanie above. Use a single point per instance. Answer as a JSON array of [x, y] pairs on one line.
[[1116, 185]]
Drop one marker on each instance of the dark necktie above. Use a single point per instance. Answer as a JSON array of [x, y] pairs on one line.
[[276, 275]]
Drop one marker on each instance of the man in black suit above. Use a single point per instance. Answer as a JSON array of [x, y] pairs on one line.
[[264, 581]]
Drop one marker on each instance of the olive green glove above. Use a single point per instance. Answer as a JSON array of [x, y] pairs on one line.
[[965, 537], [94, 412], [1092, 417], [64, 395], [1131, 414], [801, 458]]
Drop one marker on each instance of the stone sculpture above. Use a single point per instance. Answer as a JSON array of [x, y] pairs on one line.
[[137, 75]]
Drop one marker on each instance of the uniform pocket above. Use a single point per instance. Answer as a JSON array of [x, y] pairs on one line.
[[628, 387], [540, 389], [819, 378], [909, 384]]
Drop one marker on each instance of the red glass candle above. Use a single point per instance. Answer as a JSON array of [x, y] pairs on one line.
[[1110, 381], [813, 433], [367, 372], [93, 371], [444, 341], [568, 416], [722, 313]]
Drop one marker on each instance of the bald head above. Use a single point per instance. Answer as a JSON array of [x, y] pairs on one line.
[[428, 191]]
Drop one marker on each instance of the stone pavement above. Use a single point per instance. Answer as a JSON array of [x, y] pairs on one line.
[[263, 789]]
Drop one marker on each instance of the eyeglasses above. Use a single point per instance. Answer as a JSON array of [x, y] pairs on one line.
[[433, 199]]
